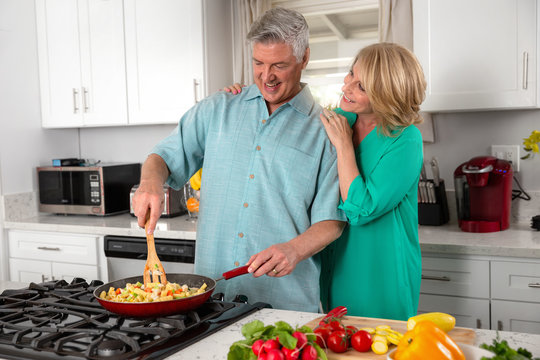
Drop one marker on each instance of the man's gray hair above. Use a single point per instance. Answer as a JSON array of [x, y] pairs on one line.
[[281, 25]]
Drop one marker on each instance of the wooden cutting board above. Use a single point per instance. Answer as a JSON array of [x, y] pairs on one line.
[[458, 334]]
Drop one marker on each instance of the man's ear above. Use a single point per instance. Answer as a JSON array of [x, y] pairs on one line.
[[305, 59]]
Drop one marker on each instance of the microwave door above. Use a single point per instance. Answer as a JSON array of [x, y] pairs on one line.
[[55, 187]]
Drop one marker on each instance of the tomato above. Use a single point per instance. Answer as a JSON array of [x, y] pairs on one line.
[[322, 333], [350, 329], [301, 337], [338, 342], [291, 354], [361, 341], [275, 354], [335, 325], [256, 347], [309, 353]]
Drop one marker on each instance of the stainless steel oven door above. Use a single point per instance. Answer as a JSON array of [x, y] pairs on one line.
[[126, 255]]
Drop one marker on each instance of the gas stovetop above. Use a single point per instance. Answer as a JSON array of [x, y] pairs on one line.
[[57, 320]]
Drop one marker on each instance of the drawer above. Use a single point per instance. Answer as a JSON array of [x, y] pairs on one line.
[[511, 280], [58, 247], [455, 277]]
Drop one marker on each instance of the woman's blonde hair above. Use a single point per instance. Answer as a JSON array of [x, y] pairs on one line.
[[394, 83]]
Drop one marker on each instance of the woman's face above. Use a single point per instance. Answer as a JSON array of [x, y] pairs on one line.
[[354, 97]]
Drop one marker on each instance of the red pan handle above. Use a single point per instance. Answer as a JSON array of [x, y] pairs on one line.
[[235, 272]]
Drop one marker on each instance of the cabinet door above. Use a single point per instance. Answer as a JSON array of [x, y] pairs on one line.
[[512, 280], [477, 54], [59, 63], [81, 62], [64, 271], [471, 313], [515, 316], [164, 58], [455, 277], [27, 271]]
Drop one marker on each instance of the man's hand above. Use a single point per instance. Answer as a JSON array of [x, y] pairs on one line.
[[277, 260], [149, 198]]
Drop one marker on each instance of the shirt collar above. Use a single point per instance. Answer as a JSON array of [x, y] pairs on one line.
[[302, 102]]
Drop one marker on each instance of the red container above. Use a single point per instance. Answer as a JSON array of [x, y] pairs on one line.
[[484, 194]]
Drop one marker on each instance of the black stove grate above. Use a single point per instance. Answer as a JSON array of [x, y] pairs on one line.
[[60, 320]]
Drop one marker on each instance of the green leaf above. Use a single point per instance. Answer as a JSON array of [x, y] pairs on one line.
[[240, 351], [249, 329], [283, 326], [321, 354], [286, 339]]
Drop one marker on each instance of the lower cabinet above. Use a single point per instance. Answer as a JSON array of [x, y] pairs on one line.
[[483, 292], [36, 256]]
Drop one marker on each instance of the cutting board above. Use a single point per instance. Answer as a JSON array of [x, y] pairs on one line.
[[458, 334]]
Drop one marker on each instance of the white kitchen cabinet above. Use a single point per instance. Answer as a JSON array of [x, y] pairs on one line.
[[477, 55], [459, 287], [515, 290], [130, 62], [81, 62], [41, 256]]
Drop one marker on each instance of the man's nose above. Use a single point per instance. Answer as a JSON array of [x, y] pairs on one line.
[[267, 73]]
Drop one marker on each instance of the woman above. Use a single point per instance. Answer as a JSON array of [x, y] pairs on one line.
[[374, 268]]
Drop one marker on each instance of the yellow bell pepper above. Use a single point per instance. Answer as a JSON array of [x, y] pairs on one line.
[[195, 180], [427, 341]]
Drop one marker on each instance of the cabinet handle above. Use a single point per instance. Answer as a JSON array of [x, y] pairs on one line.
[[48, 248], [534, 285], [195, 85], [478, 323], [84, 100], [75, 106], [525, 68], [438, 278], [499, 325]]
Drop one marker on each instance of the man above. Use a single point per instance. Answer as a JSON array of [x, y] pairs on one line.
[[269, 190]]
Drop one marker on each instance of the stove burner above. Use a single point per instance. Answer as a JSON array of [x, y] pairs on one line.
[[57, 320], [109, 348]]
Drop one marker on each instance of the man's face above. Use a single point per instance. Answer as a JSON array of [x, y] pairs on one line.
[[276, 72]]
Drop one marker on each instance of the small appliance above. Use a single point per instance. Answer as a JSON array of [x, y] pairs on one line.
[[174, 203], [483, 194], [90, 190]]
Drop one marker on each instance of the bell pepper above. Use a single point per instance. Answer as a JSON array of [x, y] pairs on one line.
[[427, 341]]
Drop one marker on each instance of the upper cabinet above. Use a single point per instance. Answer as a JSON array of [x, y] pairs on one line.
[[81, 62], [477, 55], [130, 62]]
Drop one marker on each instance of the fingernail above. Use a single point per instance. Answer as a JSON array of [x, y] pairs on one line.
[[234, 92], [250, 270]]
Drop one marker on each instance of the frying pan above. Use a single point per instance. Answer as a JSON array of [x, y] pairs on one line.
[[169, 307]]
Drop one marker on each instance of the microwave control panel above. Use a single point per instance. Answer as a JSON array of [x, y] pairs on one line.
[[95, 191]]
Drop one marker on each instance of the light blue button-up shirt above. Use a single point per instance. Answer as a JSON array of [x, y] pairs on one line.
[[265, 180]]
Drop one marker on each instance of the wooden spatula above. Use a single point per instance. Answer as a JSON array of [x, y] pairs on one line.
[[153, 265]]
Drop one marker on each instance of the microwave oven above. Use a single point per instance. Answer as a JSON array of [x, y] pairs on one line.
[[89, 190]]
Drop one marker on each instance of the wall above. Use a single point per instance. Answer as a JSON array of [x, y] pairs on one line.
[[461, 136]]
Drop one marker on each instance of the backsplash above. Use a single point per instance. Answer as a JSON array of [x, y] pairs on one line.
[[25, 205]]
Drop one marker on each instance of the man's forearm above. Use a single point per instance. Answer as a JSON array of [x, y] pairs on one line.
[[154, 168], [317, 237]]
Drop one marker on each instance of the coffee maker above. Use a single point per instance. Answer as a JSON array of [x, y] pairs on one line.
[[484, 194]]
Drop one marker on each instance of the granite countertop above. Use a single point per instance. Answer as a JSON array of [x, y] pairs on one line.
[[517, 241]]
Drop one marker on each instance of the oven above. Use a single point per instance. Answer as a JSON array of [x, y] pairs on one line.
[[126, 255]]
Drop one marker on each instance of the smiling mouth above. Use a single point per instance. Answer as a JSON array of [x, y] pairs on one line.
[[347, 99], [271, 86]]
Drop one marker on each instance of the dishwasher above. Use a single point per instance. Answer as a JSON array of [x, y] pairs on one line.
[[126, 255]]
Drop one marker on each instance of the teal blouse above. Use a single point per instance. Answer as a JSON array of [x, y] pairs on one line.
[[374, 269]]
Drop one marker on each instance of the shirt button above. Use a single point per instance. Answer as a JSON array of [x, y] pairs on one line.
[[264, 121], [241, 235], [236, 263], [246, 205], [251, 176], [258, 148]]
